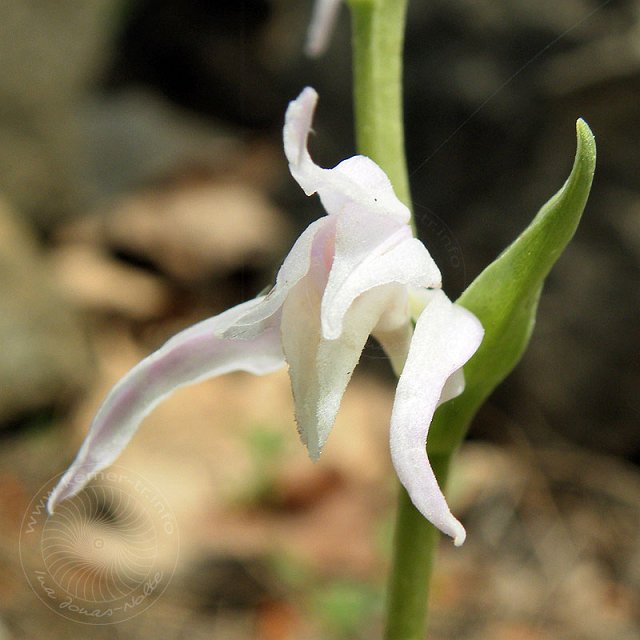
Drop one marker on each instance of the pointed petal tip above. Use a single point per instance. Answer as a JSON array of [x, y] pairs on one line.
[[297, 125], [301, 108], [67, 487], [52, 502], [58, 495], [460, 535], [308, 96], [314, 452]]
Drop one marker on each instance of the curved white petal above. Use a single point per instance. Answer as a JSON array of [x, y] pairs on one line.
[[419, 299], [190, 356], [321, 26], [359, 180], [445, 337], [372, 250], [355, 181], [297, 125]]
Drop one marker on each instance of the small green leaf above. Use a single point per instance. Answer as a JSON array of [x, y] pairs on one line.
[[505, 295]]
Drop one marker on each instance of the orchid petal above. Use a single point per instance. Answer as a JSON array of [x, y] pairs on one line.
[[354, 181], [361, 181], [396, 343], [445, 337], [293, 269], [394, 329], [372, 251], [321, 26], [419, 299], [190, 356], [453, 387], [321, 369], [297, 125]]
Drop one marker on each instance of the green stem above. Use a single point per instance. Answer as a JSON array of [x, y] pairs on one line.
[[415, 543], [378, 37]]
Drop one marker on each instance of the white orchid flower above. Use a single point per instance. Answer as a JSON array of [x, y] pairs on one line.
[[323, 19], [353, 273]]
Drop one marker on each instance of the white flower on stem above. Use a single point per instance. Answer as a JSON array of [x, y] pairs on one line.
[[353, 273], [323, 19]]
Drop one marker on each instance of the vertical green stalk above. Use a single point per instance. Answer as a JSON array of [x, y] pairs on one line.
[[378, 37], [415, 543]]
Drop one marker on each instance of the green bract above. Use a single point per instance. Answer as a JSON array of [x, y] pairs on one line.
[[505, 295]]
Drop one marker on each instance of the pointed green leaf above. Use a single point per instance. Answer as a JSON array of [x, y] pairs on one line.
[[505, 295]]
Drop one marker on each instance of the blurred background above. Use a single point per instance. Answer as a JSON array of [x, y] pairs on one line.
[[143, 187]]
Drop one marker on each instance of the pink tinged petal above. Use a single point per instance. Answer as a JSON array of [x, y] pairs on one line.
[[323, 20], [190, 356], [446, 336], [355, 181], [301, 342], [321, 369], [370, 251]]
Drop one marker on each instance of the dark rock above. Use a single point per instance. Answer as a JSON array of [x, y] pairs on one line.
[[45, 358], [50, 55]]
